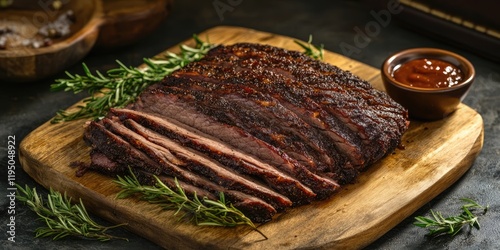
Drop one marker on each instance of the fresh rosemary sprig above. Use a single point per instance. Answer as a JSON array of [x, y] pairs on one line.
[[439, 225], [311, 50], [121, 86], [62, 217], [203, 212]]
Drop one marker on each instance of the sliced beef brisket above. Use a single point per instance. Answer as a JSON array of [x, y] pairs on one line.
[[268, 127]]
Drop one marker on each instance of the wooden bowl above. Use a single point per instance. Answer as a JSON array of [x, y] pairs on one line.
[[98, 24], [25, 63]]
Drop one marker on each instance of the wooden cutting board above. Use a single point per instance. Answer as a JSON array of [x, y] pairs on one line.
[[436, 154]]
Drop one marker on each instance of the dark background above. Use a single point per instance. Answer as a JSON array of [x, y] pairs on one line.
[[25, 106]]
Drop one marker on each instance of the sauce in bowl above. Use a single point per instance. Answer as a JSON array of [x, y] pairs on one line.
[[428, 73]]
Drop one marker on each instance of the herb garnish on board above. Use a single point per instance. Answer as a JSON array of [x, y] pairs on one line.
[[439, 225], [203, 212], [62, 217], [120, 86]]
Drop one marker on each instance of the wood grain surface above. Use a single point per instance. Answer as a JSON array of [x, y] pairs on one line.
[[436, 154]]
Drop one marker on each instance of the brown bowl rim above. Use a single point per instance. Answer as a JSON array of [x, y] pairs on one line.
[[387, 62]]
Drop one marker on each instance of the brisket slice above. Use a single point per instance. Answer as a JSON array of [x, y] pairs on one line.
[[106, 143]]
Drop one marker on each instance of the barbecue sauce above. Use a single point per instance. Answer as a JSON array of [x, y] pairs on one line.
[[428, 73]]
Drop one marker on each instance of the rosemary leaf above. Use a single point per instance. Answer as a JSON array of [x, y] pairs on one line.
[[203, 212], [61, 217], [313, 51], [121, 86], [438, 225]]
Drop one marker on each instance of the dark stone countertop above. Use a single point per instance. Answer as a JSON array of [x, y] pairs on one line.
[[25, 106]]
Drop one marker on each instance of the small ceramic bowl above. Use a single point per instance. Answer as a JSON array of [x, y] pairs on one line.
[[427, 103]]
